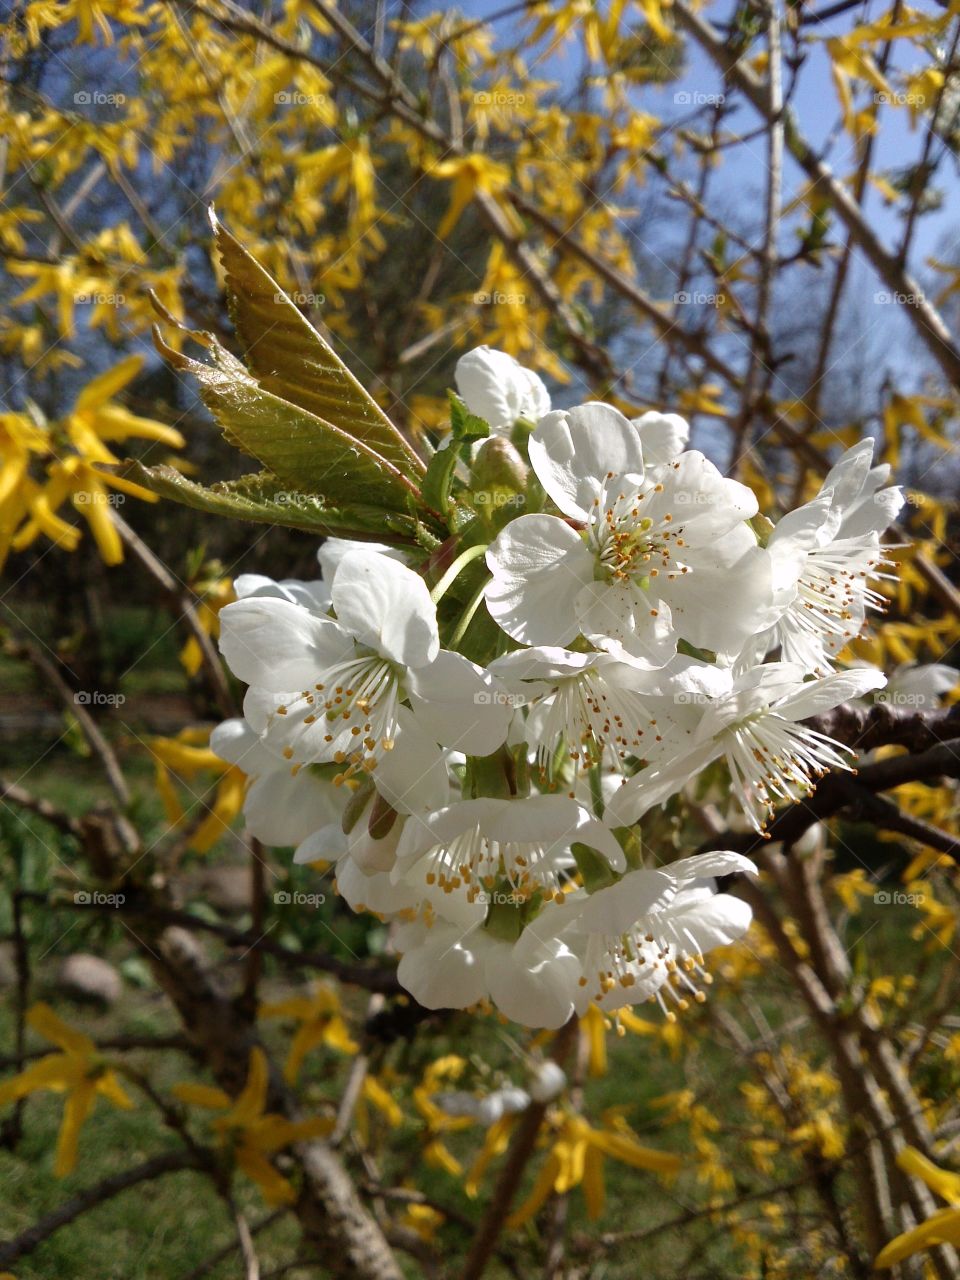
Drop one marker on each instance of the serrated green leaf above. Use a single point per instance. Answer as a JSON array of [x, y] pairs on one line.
[[305, 453], [290, 359], [263, 499], [465, 425]]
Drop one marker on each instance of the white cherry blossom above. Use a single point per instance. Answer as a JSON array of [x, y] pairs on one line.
[[494, 386], [325, 689]]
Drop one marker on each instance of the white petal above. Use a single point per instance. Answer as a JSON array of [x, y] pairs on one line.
[[662, 436], [324, 845], [704, 925], [282, 808], [460, 705], [332, 551], [539, 565], [573, 450], [238, 743], [847, 476], [372, 892], [444, 972], [817, 696], [386, 606], [494, 386], [719, 862], [537, 991], [278, 645], [656, 784], [615, 909], [622, 613], [414, 775]]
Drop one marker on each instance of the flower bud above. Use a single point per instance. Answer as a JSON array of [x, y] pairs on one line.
[[498, 465], [548, 1082]]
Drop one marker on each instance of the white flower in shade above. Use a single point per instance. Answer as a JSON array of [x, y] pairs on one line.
[[663, 436], [487, 1108], [496, 388], [447, 966], [281, 807], [324, 689], [548, 1080], [475, 853], [755, 727], [829, 552], [916, 685], [311, 595], [639, 557], [646, 936], [363, 840], [580, 702], [332, 551]]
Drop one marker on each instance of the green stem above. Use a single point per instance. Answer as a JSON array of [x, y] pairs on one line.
[[467, 616], [462, 560]]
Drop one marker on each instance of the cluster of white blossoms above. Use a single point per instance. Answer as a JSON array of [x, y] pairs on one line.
[[478, 777]]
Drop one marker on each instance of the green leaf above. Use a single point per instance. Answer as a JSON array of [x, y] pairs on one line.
[[290, 359], [264, 499], [465, 425], [439, 477], [304, 452]]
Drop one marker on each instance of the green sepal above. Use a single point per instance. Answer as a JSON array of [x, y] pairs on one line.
[[594, 869]]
